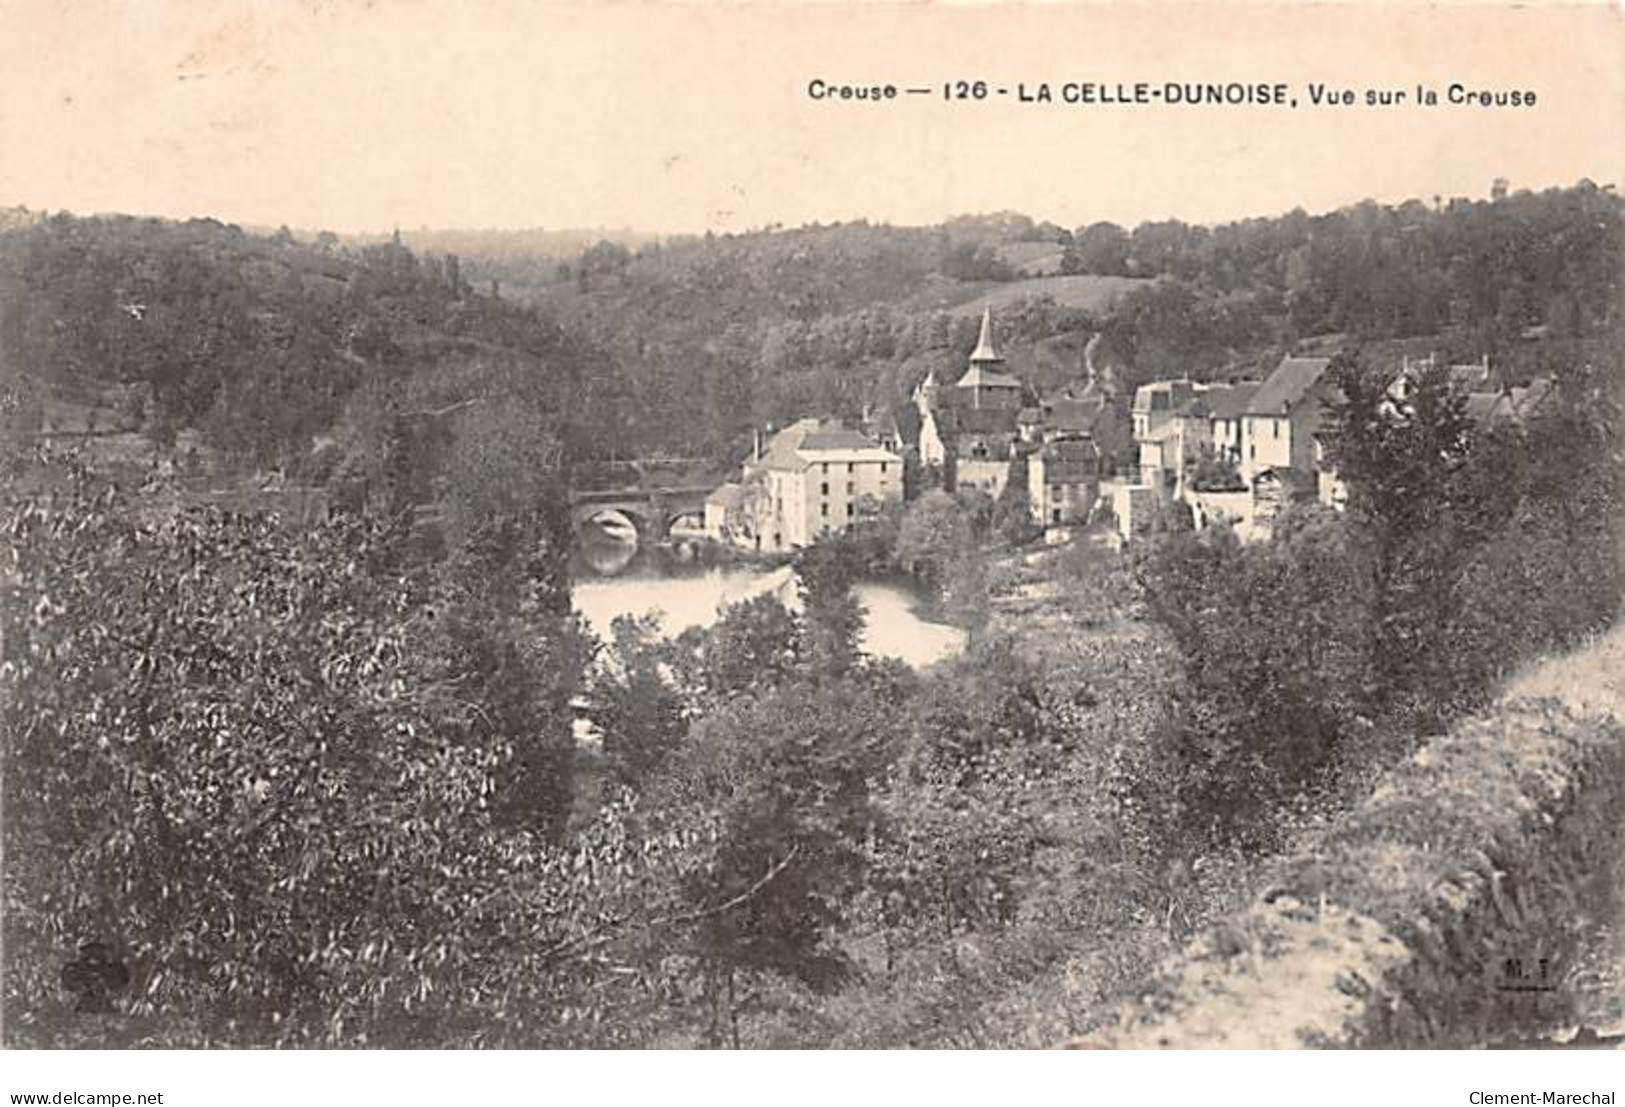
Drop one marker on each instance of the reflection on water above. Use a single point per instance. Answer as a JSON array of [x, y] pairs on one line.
[[605, 552], [891, 627]]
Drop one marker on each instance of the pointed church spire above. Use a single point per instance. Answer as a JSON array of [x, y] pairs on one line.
[[984, 344]]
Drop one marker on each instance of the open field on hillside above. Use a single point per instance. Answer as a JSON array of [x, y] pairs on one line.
[[1086, 291], [1034, 259]]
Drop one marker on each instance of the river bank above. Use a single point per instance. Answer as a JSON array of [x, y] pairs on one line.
[[898, 621]]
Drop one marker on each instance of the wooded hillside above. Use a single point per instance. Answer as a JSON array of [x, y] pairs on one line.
[[683, 346]]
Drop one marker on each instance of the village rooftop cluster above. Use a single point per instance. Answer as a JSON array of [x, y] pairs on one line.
[[1235, 452]]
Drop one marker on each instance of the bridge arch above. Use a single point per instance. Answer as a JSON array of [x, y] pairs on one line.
[[652, 511], [649, 525], [685, 519]]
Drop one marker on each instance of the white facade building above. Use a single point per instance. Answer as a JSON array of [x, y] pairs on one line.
[[820, 478], [1281, 420]]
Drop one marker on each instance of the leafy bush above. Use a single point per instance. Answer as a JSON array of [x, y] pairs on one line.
[[308, 795], [1211, 472], [1318, 656], [1272, 640], [1454, 908]]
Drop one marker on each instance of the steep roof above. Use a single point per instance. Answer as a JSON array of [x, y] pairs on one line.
[[725, 496], [1230, 401], [835, 438], [1288, 385], [907, 419], [984, 343], [809, 441], [1075, 447], [1068, 460], [1175, 393], [978, 376], [782, 447]]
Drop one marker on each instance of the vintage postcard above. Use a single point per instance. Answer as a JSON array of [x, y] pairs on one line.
[[811, 526]]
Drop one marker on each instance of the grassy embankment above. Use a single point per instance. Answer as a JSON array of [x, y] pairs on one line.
[[1473, 899]]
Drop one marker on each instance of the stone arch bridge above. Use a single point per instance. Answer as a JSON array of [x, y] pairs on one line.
[[651, 511]]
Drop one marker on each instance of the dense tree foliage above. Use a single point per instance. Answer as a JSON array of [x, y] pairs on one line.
[[323, 783], [684, 346], [834, 319], [263, 344], [1325, 652], [303, 788]]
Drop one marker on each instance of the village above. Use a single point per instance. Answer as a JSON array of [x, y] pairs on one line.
[[1234, 451], [684, 529]]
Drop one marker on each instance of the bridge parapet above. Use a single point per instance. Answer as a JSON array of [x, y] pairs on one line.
[[681, 494]]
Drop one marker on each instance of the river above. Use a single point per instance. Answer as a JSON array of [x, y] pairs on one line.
[[892, 626]]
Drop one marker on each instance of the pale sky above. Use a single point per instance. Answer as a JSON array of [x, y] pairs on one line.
[[356, 116]]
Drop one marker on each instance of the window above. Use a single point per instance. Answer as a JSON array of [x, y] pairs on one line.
[[824, 488], [823, 509], [826, 466], [883, 465], [851, 487], [850, 511], [850, 467]]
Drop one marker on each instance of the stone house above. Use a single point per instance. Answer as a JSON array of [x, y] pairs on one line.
[[1155, 405], [815, 478], [1226, 408], [1282, 418], [1063, 481]]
